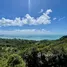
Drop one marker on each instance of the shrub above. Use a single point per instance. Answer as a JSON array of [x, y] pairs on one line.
[[15, 61]]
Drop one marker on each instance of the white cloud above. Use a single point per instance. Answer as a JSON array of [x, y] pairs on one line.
[[41, 11], [61, 18], [54, 18], [43, 19], [48, 11], [24, 32], [8, 22]]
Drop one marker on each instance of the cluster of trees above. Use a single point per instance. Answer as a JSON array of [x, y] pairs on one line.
[[38, 59], [29, 53]]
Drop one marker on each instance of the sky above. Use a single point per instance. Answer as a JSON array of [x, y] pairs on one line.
[[33, 17]]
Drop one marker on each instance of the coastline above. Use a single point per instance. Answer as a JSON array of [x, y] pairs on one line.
[[32, 37]]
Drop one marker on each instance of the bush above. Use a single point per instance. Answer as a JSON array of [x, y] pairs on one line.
[[15, 61]]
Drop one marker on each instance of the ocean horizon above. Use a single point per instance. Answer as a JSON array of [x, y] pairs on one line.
[[32, 37]]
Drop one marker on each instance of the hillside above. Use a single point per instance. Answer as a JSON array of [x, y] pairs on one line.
[[29, 53]]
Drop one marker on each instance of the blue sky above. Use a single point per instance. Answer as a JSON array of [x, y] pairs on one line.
[[42, 16]]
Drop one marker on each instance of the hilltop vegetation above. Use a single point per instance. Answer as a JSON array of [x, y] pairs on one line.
[[29, 53]]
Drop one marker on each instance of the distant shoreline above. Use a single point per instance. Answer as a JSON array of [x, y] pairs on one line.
[[35, 38]]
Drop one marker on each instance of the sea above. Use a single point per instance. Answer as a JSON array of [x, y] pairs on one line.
[[32, 37]]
